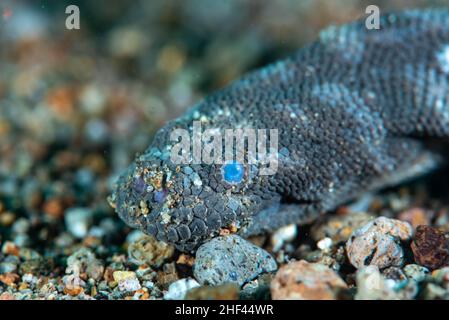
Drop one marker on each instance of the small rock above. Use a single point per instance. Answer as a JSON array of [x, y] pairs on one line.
[[30, 279], [7, 218], [84, 260], [9, 278], [438, 285], [231, 259], [7, 267], [283, 235], [324, 244], [416, 272], [147, 250], [178, 289], [378, 243], [123, 275], [302, 280], [227, 291], [167, 276], [127, 281], [29, 254], [7, 296], [73, 290], [394, 273], [442, 220], [430, 247], [441, 276], [185, 259], [47, 289], [9, 248], [339, 228], [334, 257], [9, 264], [35, 266], [21, 226], [372, 285], [415, 216], [127, 42], [258, 289], [78, 221], [435, 292]]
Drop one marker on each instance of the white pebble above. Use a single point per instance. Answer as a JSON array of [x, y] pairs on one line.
[[78, 221], [324, 244], [29, 278], [178, 289], [282, 235], [129, 285]]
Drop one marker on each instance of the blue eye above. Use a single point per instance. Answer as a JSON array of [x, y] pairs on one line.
[[233, 172]]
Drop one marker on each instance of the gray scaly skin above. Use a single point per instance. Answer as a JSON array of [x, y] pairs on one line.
[[356, 111]]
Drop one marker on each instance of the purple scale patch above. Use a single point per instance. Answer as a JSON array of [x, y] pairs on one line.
[[139, 185], [159, 196]]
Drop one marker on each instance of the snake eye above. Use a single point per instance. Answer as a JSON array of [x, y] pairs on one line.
[[233, 172]]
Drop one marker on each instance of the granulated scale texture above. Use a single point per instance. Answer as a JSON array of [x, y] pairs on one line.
[[356, 111]]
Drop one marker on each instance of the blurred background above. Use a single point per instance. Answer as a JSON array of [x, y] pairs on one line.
[[76, 105]]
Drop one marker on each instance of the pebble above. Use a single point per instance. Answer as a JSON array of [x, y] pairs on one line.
[[30, 279], [147, 250], [433, 291], [227, 291], [167, 276], [21, 226], [372, 285], [283, 235], [378, 243], [9, 248], [339, 228], [442, 220], [324, 244], [394, 273], [441, 276], [9, 264], [438, 285], [127, 42], [28, 254], [178, 289], [7, 218], [123, 275], [415, 216], [430, 247], [84, 261], [9, 279], [231, 259], [78, 221], [416, 272], [301, 280], [126, 280], [35, 266], [257, 289]]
